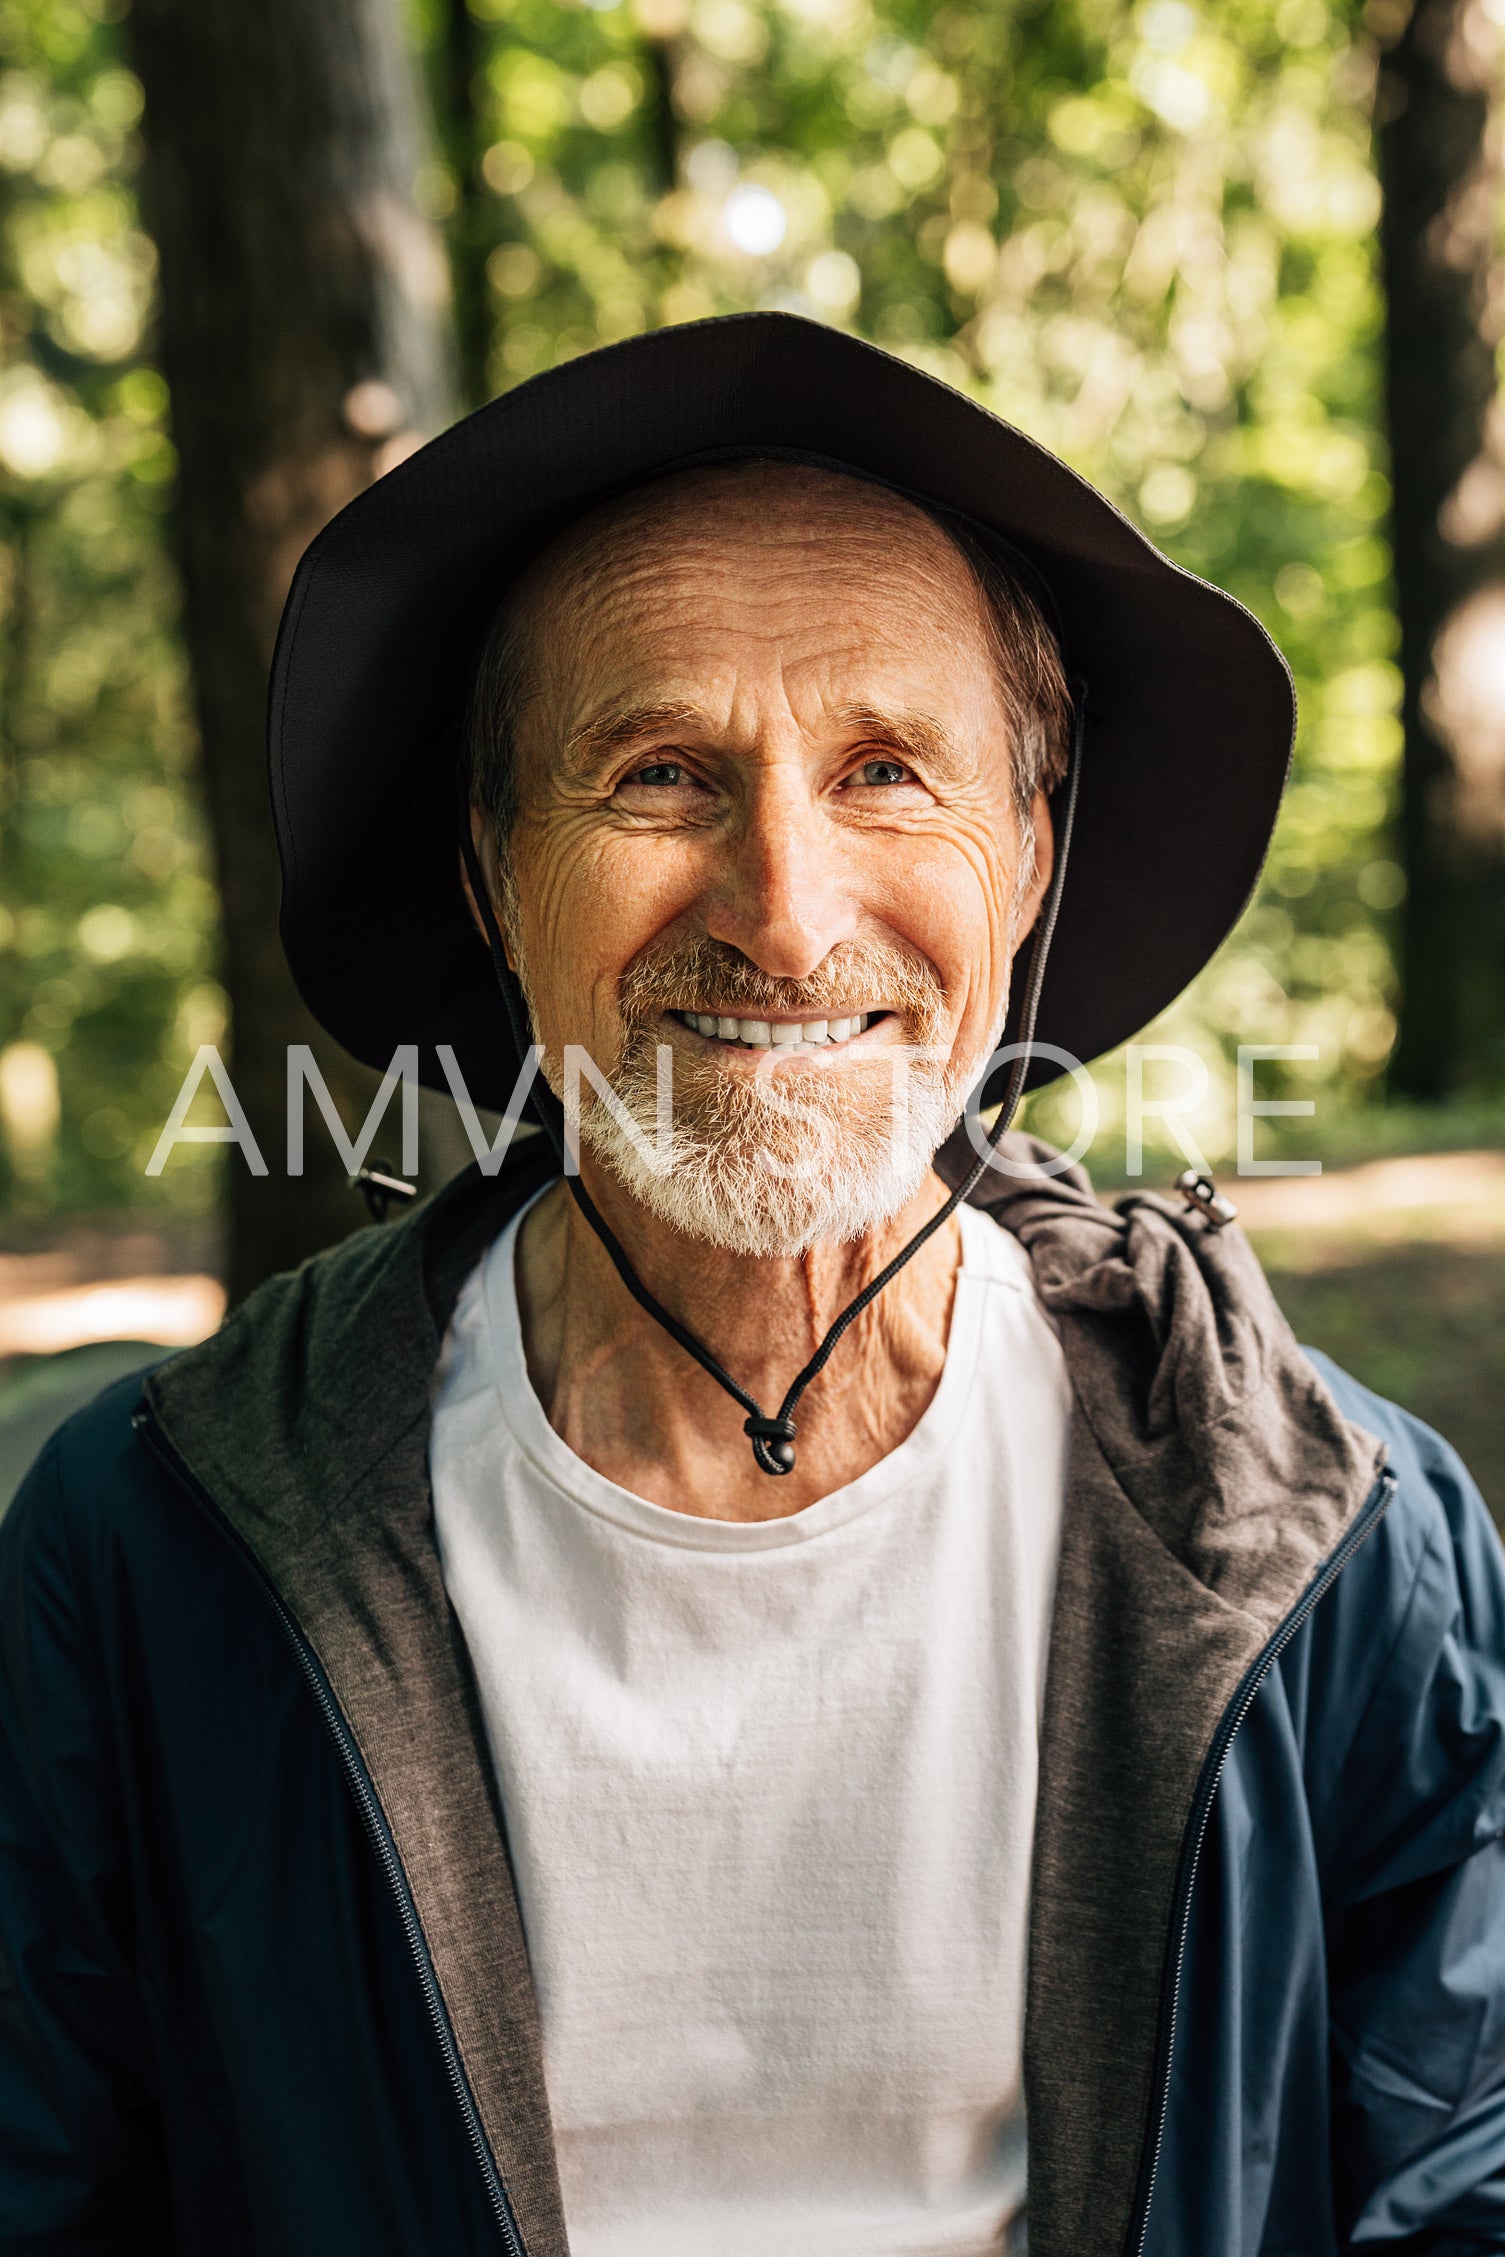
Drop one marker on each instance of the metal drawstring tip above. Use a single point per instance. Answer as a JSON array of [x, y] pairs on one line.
[[773, 1443], [1203, 1198], [380, 1185]]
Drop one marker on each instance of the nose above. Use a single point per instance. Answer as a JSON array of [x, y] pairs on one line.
[[782, 892]]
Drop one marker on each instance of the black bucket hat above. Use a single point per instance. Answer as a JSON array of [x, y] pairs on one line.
[[1186, 739]]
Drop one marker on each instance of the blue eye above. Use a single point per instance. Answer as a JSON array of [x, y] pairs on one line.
[[883, 772], [660, 772]]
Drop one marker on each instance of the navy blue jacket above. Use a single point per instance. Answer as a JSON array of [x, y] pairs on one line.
[[1338, 2070], [219, 2029]]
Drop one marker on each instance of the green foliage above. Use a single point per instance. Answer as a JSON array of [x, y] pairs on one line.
[[1145, 233], [106, 912]]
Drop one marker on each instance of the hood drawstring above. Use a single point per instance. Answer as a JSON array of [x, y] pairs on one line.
[[773, 1438]]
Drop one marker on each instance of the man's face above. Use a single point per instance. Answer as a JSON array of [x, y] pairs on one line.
[[764, 775]]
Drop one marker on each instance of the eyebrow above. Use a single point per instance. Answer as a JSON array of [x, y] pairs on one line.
[[609, 732], [918, 733]]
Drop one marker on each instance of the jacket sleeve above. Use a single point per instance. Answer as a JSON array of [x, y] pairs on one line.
[[1415, 1861], [80, 2153]]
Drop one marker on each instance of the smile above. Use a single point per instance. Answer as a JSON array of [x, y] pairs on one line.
[[777, 1034]]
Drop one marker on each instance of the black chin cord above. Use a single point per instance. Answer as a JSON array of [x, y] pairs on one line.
[[773, 1438]]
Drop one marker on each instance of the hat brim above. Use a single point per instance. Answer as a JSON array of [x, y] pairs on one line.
[[1190, 710]]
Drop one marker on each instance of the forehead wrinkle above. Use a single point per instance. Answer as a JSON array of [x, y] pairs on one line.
[[672, 531], [637, 566]]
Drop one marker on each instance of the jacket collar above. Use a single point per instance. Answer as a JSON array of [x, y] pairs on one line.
[[1210, 1476]]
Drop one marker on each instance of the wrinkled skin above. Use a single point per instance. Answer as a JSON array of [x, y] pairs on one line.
[[760, 705]]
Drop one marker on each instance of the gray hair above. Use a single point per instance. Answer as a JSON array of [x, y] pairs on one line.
[[1031, 680]]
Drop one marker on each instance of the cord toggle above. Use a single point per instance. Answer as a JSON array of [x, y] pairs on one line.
[[773, 1442]]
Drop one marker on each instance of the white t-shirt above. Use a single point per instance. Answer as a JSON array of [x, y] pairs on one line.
[[770, 1796]]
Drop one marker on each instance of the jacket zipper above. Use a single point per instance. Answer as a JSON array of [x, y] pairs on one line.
[[1375, 1505], [376, 1825]]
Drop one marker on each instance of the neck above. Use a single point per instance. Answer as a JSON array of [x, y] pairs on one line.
[[634, 1406]]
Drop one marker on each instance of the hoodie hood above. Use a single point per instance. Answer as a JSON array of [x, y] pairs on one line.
[[1198, 1400], [1211, 1475]]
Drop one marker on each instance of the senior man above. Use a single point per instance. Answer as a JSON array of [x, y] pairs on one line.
[[762, 1677]]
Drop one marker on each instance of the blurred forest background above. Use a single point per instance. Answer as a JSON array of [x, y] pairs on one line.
[[1238, 263]]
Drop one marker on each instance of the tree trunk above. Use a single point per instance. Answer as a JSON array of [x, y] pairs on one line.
[[1438, 153], [304, 337], [663, 118], [472, 225]]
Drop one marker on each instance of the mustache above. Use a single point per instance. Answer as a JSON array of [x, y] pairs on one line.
[[705, 974]]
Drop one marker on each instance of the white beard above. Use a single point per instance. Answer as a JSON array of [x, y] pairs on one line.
[[770, 1164], [765, 1167]]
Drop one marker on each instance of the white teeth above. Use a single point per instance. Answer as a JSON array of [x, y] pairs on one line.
[[777, 1034]]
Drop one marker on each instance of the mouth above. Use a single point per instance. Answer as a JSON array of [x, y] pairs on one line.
[[786, 1034]]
